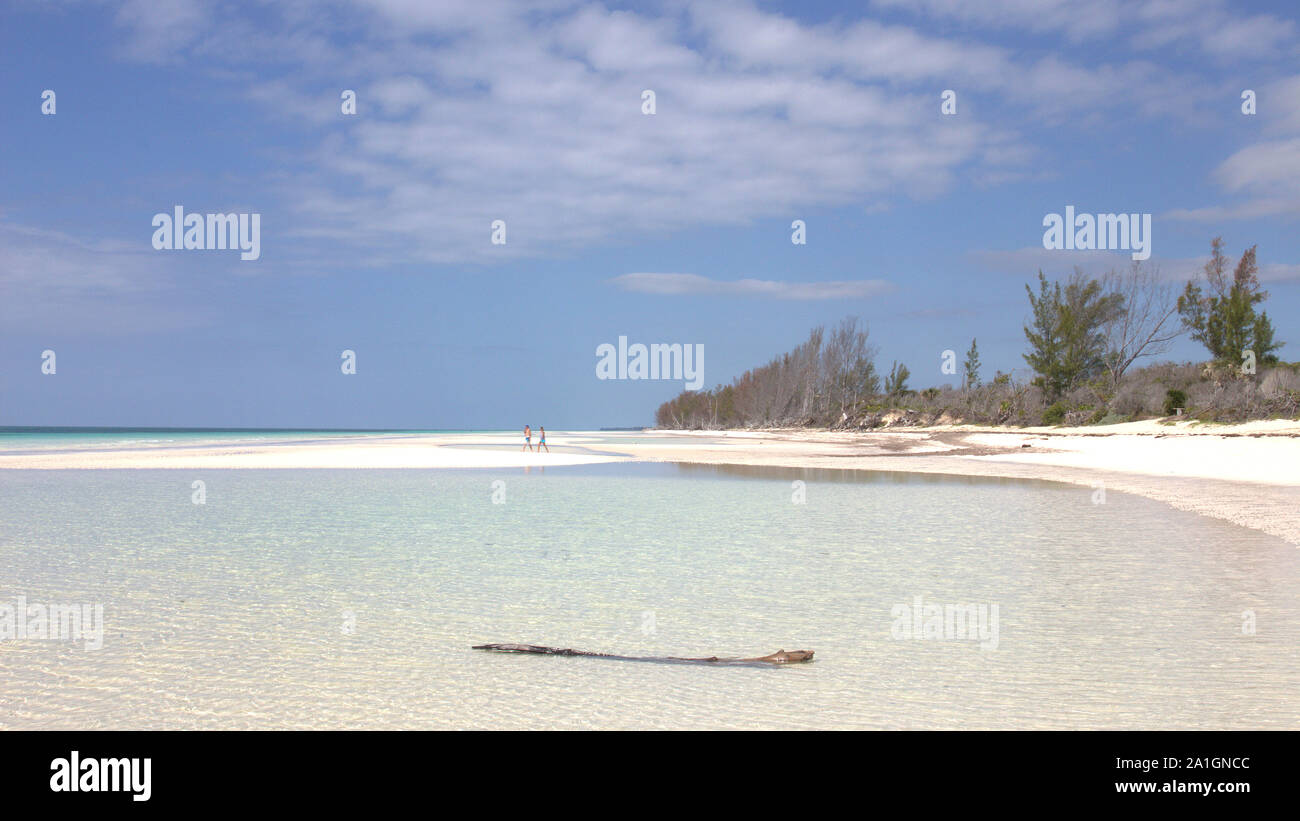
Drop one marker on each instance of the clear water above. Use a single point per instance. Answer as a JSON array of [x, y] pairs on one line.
[[26, 439], [350, 599]]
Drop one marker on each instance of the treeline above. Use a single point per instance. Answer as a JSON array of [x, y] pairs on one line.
[[828, 374], [1084, 339]]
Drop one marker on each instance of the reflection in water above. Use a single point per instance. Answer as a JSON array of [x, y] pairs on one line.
[[886, 477]]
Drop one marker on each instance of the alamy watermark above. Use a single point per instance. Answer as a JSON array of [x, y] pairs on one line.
[[655, 361], [52, 622], [951, 622], [1099, 232], [179, 231], [77, 774]]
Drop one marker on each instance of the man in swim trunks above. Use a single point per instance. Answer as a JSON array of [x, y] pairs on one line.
[[528, 439]]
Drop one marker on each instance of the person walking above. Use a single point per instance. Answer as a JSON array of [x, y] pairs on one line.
[[541, 443], [528, 439]]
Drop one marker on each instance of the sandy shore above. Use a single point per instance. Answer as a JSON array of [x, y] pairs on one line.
[[1248, 474]]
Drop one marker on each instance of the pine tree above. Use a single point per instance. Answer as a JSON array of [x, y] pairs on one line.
[[896, 383], [972, 377], [1224, 320], [1067, 340], [1044, 336]]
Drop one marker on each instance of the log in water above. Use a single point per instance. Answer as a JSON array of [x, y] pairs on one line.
[[779, 657]]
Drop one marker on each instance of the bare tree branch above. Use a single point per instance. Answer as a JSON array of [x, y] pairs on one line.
[[1147, 326]]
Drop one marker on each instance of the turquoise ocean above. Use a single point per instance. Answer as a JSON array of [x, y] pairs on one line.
[[350, 599]]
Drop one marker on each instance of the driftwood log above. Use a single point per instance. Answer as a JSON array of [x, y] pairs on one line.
[[779, 657]]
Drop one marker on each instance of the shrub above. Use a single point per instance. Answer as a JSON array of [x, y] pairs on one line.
[[1055, 414], [1280, 381], [1174, 398]]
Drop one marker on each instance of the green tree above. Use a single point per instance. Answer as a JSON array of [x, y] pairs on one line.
[[1224, 319], [1067, 340], [1263, 340], [1044, 336], [896, 382], [972, 377]]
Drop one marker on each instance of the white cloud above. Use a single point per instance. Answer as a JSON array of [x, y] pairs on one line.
[[1265, 175], [1064, 16], [1278, 271], [57, 283], [691, 284], [471, 111], [159, 30], [1253, 209], [1027, 262], [531, 114], [1264, 169], [1213, 26]]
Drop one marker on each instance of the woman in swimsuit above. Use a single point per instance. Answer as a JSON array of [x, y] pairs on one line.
[[542, 442]]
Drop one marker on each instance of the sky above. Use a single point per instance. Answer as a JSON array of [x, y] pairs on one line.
[[674, 226]]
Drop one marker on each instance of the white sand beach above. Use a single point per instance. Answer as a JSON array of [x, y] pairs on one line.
[[1248, 474]]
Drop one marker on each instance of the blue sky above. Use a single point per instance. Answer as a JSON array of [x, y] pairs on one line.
[[375, 228]]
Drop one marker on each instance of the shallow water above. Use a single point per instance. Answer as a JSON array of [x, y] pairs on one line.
[[18, 440], [323, 599]]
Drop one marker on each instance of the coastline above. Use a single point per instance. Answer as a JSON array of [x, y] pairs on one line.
[[1247, 474]]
